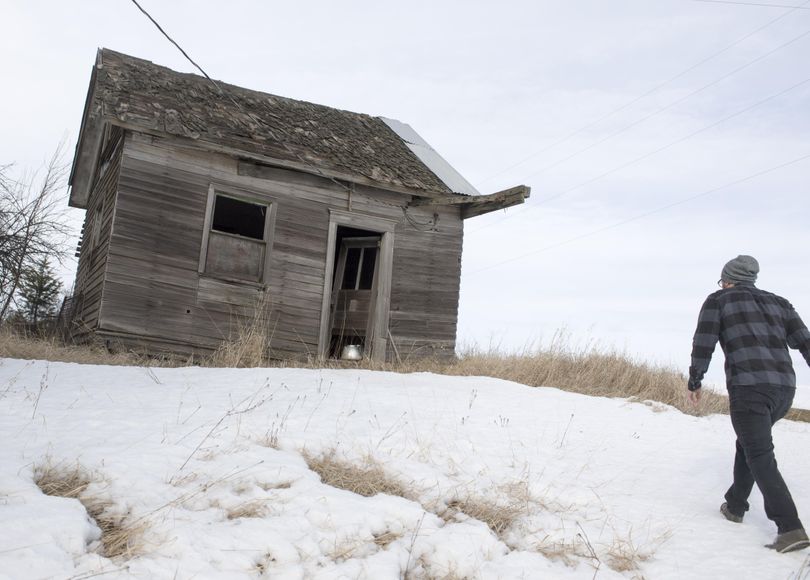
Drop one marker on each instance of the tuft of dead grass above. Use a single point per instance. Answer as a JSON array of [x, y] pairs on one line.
[[249, 509], [368, 479], [384, 539], [249, 345], [499, 516], [623, 555], [626, 555], [569, 553], [119, 537]]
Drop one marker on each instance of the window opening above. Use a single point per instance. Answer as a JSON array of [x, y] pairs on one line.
[[242, 218], [235, 244]]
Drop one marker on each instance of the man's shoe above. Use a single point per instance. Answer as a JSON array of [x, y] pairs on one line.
[[729, 515], [790, 541]]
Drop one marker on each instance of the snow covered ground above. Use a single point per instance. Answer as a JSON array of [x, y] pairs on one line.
[[181, 449]]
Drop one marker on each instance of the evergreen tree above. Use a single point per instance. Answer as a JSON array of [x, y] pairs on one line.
[[39, 292]]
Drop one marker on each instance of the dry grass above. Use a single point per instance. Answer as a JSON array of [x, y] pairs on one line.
[[249, 509], [625, 555], [119, 537], [249, 345], [14, 345], [588, 369], [568, 552], [367, 480], [499, 516], [384, 539]]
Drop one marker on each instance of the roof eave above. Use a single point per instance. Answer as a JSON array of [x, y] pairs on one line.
[[87, 146], [472, 206]]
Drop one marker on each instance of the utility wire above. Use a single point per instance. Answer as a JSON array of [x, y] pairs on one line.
[[754, 4], [666, 107], [255, 118], [677, 141], [180, 48], [642, 215], [647, 93], [649, 154]]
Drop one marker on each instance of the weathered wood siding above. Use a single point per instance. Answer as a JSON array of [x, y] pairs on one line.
[[425, 288], [98, 222], [153, 289]]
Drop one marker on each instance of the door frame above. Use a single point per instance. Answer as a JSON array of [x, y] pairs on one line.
[[381, 299]]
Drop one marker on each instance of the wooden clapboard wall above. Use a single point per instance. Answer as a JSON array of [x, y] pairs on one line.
[[154, 295], [95, 243]]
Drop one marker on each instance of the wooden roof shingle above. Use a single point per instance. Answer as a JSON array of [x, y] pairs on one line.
[[139, 94]]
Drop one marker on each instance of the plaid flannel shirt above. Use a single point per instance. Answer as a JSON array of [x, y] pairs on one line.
[[755, 329]]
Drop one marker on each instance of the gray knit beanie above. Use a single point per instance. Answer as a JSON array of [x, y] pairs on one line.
[[740, 269]]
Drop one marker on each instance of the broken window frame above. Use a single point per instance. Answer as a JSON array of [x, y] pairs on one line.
[[210, 235]]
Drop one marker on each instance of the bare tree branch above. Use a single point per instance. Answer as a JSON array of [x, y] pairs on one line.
[[33, 222]]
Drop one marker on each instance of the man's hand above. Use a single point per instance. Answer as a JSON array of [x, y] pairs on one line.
[[694, 396]]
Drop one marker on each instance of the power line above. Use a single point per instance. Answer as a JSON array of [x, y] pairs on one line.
[[677, 141], [180, 48], [250, 114], [649, 154], [754, 4], [667, 107], [647, 93], [533, 206], [642, 215]]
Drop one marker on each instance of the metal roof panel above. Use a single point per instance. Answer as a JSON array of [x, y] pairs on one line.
[[428, 155]]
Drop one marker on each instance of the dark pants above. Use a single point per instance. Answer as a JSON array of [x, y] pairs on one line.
[[754, 410]]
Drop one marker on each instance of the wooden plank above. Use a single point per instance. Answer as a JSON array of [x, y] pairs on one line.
[[219, 291], [520, 192]]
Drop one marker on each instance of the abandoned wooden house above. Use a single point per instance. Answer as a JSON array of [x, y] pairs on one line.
[[205, 201]]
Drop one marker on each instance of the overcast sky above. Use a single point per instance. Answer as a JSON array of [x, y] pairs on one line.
[[660, 137]]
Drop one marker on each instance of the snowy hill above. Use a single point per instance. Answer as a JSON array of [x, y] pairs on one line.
[[209, 466]]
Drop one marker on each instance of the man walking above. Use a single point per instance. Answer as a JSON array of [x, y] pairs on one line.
[[755, 329]]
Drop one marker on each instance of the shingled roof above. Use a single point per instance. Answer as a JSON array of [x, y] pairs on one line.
[[139, 94]]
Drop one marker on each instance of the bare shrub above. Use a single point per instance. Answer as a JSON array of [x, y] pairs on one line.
[[33, 223], [367, 480], [119, 537]]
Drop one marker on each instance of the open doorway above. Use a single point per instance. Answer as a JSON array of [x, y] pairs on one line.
[[354, 289], [359, 254]]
